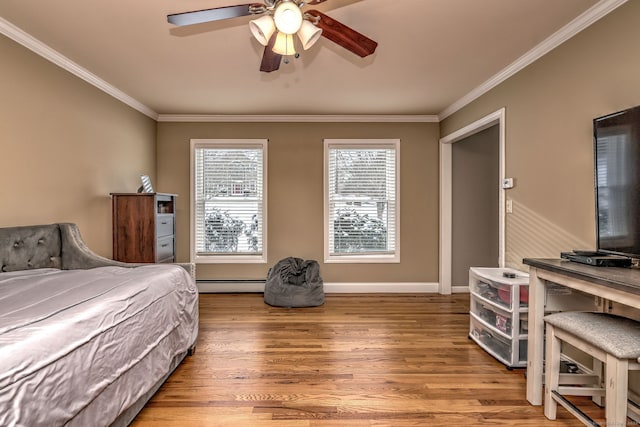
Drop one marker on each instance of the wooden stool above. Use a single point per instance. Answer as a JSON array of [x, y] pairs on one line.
[[613, 340]]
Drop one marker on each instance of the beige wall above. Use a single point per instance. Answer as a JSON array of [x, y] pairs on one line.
[[295, 194], [550, 106], [64, 146]]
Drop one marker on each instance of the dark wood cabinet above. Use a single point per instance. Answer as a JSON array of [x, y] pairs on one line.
[[144, 227]]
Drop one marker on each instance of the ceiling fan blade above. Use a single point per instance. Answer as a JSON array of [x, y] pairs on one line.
[[215, 14], [346, 37], [270, 59], [315, 1]]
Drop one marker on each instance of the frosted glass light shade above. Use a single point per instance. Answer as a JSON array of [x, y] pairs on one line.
[[284, 44], [288, 17], [262, 29], [309, 34]]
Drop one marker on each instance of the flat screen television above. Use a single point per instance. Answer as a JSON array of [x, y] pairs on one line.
[[617, 182]]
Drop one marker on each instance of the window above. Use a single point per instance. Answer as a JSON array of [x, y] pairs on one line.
[[362, 200], [228, 196]]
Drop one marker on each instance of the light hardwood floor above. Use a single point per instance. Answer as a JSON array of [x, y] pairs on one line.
[[358, 360]]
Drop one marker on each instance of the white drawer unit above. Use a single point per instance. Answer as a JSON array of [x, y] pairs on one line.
[[498, 313]]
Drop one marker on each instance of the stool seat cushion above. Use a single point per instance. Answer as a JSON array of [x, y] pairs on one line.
[[615, 335]]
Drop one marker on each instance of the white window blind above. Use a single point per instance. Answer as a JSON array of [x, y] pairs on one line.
[[229, 200], [362, 200]]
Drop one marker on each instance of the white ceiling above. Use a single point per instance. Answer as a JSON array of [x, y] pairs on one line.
[[431, 53]]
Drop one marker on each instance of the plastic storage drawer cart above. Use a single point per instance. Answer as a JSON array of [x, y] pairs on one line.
[[498, 313]]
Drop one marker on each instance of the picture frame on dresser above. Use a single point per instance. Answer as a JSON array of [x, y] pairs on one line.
[[146, 184]]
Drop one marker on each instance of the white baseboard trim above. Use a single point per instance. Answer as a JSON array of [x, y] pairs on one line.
[[462, 289], [381, 288], [329, 288]]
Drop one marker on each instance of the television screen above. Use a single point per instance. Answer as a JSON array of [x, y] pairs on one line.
[[617, 182]]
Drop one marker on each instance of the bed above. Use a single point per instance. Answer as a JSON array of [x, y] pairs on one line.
[[86, 346]]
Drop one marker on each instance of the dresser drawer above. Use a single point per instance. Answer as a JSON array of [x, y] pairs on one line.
[[164, 225], [164, 249]]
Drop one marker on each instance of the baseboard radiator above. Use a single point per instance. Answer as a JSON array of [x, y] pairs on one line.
[[252, 286], [230, 286]]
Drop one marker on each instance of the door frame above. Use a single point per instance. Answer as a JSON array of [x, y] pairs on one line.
[[446, 189]]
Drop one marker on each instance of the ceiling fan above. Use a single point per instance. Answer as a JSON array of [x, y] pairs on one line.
[[280, 21]]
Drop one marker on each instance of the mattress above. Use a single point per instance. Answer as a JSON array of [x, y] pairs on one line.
[[78, 347]]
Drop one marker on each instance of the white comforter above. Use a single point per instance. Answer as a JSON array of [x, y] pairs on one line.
[[69, 336]]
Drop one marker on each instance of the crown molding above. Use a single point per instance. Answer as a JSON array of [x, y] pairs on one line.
[[222, 118], [50, 54], [587, 18]]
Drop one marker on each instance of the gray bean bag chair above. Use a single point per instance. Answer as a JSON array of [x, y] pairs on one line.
[[294, 282]]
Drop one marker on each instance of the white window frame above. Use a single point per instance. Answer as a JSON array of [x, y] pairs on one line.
[[359, 257], [227, 258]]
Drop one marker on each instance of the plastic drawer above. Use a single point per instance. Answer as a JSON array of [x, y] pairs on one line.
[[524, 324], [492, 342], [498, 318], [522, 351], [499, 294], [490, 284]]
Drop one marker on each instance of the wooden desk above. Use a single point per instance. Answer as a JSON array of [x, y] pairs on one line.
[[620, 285]]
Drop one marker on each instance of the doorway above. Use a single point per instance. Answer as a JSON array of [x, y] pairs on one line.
[[474, 222], [449, 279]]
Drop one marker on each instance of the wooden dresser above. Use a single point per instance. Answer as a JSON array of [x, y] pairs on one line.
[[144, 227]]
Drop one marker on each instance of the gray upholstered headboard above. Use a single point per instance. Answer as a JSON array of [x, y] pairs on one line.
[[54, 246], [28, 247]]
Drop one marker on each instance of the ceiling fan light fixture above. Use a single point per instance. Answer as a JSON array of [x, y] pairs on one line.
[[262, 29], [288, 17], [275, 30], [308, 34], [284, 44]]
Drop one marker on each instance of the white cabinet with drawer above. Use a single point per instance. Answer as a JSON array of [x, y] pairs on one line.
[[498, 313]]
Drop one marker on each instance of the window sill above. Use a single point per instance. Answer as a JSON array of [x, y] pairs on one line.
[[229, 259], [362, 259]]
